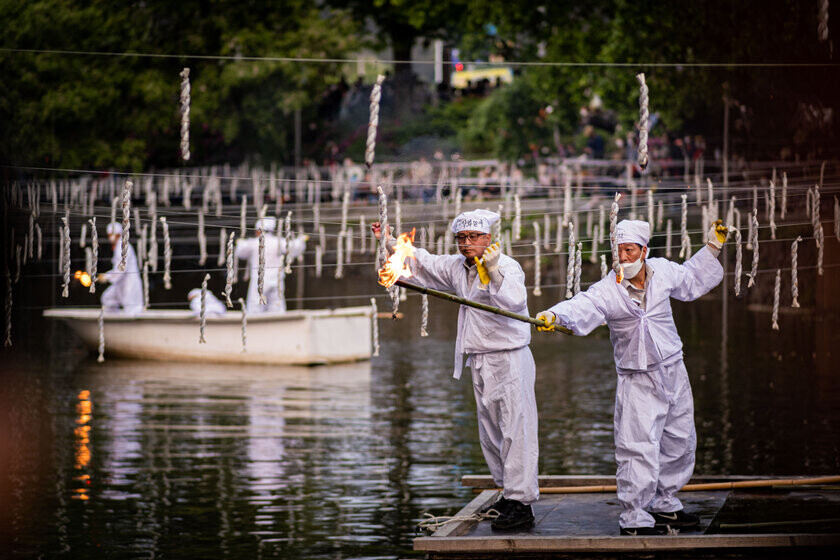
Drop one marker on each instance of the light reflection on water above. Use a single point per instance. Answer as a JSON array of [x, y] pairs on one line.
[[199, 461]]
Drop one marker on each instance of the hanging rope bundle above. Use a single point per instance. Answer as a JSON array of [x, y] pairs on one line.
[[281, 279], [644, 117], [546, 234], [604, 268], [153, 244], [794, 271], [339, 258], [424, 314], [65, 261], [126, 221], [167, 255], [101, 325], [777, 287], [822, 20], [685, 240], [650, 210], [319, 257], [578, 266], [754, 270], [375, 320], [383, 225], [836, 218], [94, 255], [619, 270], [373, 122], [8, 340], [261, 269], [202, 318], [40, 240], [820, 249], [772, 209], [244, 325], [593, 258], [145, 285], [220, 260], [363, 234], [202, 239], [602, 226], [738, 262], [784, 195], [570, 264], [537, 274], [517, 217], [231, 271], [287, 236], [243, 214], [185, 114], [669, 226], [567, 195]]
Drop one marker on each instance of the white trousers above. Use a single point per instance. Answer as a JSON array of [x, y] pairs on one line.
[[655, 441], [503, 383]]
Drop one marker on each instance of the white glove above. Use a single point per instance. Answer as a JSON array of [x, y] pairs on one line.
[[490, 259]]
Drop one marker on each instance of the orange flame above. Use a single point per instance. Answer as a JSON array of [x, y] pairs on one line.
[[396, 267], [83, 278]]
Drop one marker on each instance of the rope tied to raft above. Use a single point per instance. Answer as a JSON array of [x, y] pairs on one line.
[[432, 523]]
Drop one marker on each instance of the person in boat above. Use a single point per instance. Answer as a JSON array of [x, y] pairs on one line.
[[496, 350], [126, 290], [276, 254], [655, 440], [213, 306]]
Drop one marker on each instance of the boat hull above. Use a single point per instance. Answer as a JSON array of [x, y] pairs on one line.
[[304, 337]]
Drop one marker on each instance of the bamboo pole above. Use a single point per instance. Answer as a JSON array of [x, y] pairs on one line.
[[483, 307], [763, 483]]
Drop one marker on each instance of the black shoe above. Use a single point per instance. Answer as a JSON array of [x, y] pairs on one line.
[[642, 531], [676, 519], [499, 505], [516, 515]]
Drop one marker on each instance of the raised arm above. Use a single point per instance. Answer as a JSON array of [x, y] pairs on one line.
[[697, 276], [434, 271]]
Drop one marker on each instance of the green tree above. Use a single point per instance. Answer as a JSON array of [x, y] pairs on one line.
[[122, 111]]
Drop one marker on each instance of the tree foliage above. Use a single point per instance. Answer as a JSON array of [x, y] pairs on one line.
[[122, 111]]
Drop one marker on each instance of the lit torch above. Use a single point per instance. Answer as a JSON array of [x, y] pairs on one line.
[[396, 267]]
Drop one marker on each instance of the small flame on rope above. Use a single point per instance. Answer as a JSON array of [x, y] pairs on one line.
[[83, 278], [396, 267]]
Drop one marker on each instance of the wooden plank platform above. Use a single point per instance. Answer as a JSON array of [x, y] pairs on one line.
[[568, 525]]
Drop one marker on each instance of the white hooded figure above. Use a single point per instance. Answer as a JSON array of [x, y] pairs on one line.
[[496, 350], [655, 439], [275, 249], [126, 290], [213, 306]]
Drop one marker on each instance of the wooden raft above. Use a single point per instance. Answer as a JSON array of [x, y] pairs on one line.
[[732, 521]]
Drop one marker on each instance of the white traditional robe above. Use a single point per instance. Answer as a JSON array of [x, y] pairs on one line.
[[655, 438], [502, 366]]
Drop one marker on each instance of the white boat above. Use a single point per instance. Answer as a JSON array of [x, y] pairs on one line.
[[305, 337]]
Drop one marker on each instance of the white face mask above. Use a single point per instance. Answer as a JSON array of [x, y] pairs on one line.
[[633, 268]]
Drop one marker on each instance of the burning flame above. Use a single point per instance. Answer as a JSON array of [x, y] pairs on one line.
[[83, 278], [396, 267]]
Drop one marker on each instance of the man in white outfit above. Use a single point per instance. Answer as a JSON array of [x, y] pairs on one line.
[[654, 434], [126, 289], [496, 350], [276, 253]]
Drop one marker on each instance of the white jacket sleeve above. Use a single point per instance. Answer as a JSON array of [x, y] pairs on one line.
[[434, 271], [296, 247], [510, 293], [696, 277], [583, 313], [245, 248]]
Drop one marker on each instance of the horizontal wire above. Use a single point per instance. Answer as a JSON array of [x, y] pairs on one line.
[[242, 58]]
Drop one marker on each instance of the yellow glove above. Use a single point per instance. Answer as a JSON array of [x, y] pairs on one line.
[[718, 234], [488, 263], [549, 318], [482, 271]]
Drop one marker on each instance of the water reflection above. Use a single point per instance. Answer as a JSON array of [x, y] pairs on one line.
[[199, 461]]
